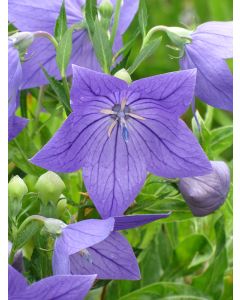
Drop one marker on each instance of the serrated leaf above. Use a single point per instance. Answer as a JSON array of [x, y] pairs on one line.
[[61, 23], [64, 51], [147, 51], [90, 15], [102, 47], [142, 17], [60, 91]]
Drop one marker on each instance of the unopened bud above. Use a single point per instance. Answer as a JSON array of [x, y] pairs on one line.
[[54, 226], [61, 206], [204, 194], [49, 187], [124, 75], [106, 9], [22, 40], [17, 189]]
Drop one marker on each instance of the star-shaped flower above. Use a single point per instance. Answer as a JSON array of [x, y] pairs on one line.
[[55, 287], [211, 43], [33, 16], [95, 247], [119, 132]]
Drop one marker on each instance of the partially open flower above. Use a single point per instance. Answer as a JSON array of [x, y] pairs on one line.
[[204, 194]]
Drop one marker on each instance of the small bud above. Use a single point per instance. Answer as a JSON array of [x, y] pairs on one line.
[[22, 40], [124, 75], [54, 226], [49, 187], [106, 9], [204, 194], [61, 206], [17, 189]]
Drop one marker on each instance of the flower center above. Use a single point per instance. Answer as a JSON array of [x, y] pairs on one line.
[[120, 113]]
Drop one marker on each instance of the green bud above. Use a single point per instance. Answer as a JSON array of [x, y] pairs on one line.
[[54, 226], [61, 206], [124, 75], [179, 36], [17, 189], [49, 187], [22, 40], [106, 9]]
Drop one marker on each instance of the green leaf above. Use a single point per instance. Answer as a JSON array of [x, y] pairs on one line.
[[61, 23], [221, 139], [213, 279], [166, 291], [90, 15], [25, 233], [21, 149], [64, 51], [147, 51], [60, 91], [189, 254], [102, 47], [143, 17]]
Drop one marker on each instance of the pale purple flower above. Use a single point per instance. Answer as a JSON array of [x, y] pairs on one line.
[[18, 258], [119, 132], [205, 194], [15, 124], [55, 287], [211, 44], [29, 15], [95, 247]]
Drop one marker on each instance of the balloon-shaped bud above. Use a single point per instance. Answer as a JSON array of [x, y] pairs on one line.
[[54, 226], [22, 40], [61, 206], [49, 187], [17, 189], [124, 75], [205, 194], [106, 9]]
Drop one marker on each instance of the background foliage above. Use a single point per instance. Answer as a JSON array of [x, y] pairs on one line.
[[182, 257]]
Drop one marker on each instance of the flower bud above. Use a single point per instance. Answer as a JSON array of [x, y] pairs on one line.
[[49, 187], [124, 75], [204, 194], [106, 9], [17, 189], [61, 206], [22, 40], [54, 226]]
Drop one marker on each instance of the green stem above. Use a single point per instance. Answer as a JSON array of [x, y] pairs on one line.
[[48, 36], [115, 22], [39, 102], [151, 32]]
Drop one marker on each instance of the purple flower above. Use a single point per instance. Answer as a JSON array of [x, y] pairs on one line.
[[15, 124], [28, 15], [95, 247], [211, 44], [56, 287], [117, 132], [204, 194]]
